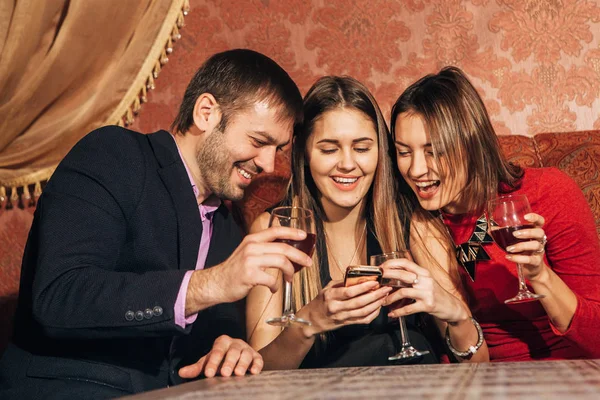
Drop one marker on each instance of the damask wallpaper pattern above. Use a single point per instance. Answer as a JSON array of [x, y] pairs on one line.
[[535, 62]]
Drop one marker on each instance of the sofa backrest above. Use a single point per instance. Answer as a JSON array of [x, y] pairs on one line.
[[575, 153]]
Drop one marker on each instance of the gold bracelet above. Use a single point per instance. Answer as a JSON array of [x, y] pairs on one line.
[[471, 350]]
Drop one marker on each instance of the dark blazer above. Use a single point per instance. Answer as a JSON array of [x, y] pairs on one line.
[[114, 232]]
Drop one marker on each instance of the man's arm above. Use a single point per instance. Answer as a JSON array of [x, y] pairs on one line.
[[246, 268], [80, 287]]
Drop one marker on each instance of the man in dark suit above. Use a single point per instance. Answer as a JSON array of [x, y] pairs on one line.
[[133, 264]]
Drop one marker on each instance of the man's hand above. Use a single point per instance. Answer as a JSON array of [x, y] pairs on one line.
[[227, 356], [245, 268]]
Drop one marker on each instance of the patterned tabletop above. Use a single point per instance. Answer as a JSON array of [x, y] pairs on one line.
[[525, 380]]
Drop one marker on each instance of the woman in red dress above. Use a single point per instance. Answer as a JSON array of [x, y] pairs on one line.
[[451, 163]]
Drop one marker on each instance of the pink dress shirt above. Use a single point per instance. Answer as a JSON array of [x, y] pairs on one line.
[[206, 209]]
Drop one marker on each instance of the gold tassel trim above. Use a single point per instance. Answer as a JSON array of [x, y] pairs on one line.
[[18, 192], [150, 83], [143, 95], [130, 106], [37, 191], [20, 196], [175, 35]]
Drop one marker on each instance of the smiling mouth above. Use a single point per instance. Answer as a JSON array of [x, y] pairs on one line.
[[244, 173], [344, 181], [427, 187]]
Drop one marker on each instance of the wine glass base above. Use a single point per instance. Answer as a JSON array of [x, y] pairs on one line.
[[524, 297], [408, 352], [287, 320]]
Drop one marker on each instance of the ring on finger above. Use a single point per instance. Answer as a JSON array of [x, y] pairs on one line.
[[543, 245], [416, 280]]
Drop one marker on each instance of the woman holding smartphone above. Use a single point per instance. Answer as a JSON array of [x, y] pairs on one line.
[[343, 173], [449, 156]]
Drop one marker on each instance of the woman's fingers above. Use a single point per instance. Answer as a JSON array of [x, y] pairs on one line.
[[536, 219], [359, 314], [403, 264], [368, 319], [409, 309], [339, 305], [355, 290], [405, 277]]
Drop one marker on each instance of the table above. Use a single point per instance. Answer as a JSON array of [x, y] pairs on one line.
[[520, 380]]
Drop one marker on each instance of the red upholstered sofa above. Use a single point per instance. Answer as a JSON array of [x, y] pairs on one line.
[[575, 153]]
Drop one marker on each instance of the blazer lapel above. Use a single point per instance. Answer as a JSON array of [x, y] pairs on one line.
[[174, 176]]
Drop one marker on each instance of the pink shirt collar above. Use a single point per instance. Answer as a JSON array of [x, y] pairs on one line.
[[211, 203]]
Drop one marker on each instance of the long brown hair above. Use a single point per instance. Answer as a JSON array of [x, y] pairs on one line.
[[460, 128], [330, 93], [461, 132]]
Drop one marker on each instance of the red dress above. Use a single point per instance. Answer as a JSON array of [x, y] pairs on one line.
[[521, 332]]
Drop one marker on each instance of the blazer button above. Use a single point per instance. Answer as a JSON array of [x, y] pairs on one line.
[[148, 313], [139, 315], [157, 311], [129, 315]]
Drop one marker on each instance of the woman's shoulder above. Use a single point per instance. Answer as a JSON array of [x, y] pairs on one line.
[[548, 181], [545, 175]]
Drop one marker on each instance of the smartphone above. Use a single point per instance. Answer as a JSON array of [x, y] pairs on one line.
[[356, 274]]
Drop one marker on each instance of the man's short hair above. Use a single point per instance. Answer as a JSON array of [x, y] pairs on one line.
[[237, 79]]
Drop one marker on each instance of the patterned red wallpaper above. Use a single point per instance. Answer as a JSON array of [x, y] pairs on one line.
[[535, 62]]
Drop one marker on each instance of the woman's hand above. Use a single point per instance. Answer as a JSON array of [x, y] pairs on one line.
[[337, 305], [530, 253], [427, 294]]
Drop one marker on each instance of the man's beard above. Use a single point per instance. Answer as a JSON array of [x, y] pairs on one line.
[[216, 167]]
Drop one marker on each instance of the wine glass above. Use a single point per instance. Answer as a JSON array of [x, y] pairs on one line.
[[506, 214], [299, 218], [407, 350]]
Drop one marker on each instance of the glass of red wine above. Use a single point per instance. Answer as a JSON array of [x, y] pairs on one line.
[[506, 214], [299, 218], [407, 350]]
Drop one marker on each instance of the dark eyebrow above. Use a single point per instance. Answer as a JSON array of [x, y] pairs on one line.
[[399, 143], [270, 140], [334, 141]]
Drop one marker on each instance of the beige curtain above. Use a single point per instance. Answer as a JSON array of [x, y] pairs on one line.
[[67, 67]]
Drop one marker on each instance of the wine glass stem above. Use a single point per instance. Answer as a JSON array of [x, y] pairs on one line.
[[287, 298], [403, 332], [522, 285]]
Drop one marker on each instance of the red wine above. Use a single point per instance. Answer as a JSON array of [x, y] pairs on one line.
[[504, 236], [307, 246]]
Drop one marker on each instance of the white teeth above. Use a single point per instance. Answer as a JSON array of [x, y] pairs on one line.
[[244, 173], [425, 184], [344, 180]]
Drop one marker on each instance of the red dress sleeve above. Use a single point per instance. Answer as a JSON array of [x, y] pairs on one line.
[[573, 252]]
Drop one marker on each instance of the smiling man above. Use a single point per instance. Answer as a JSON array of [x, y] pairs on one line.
[[133, 263]]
